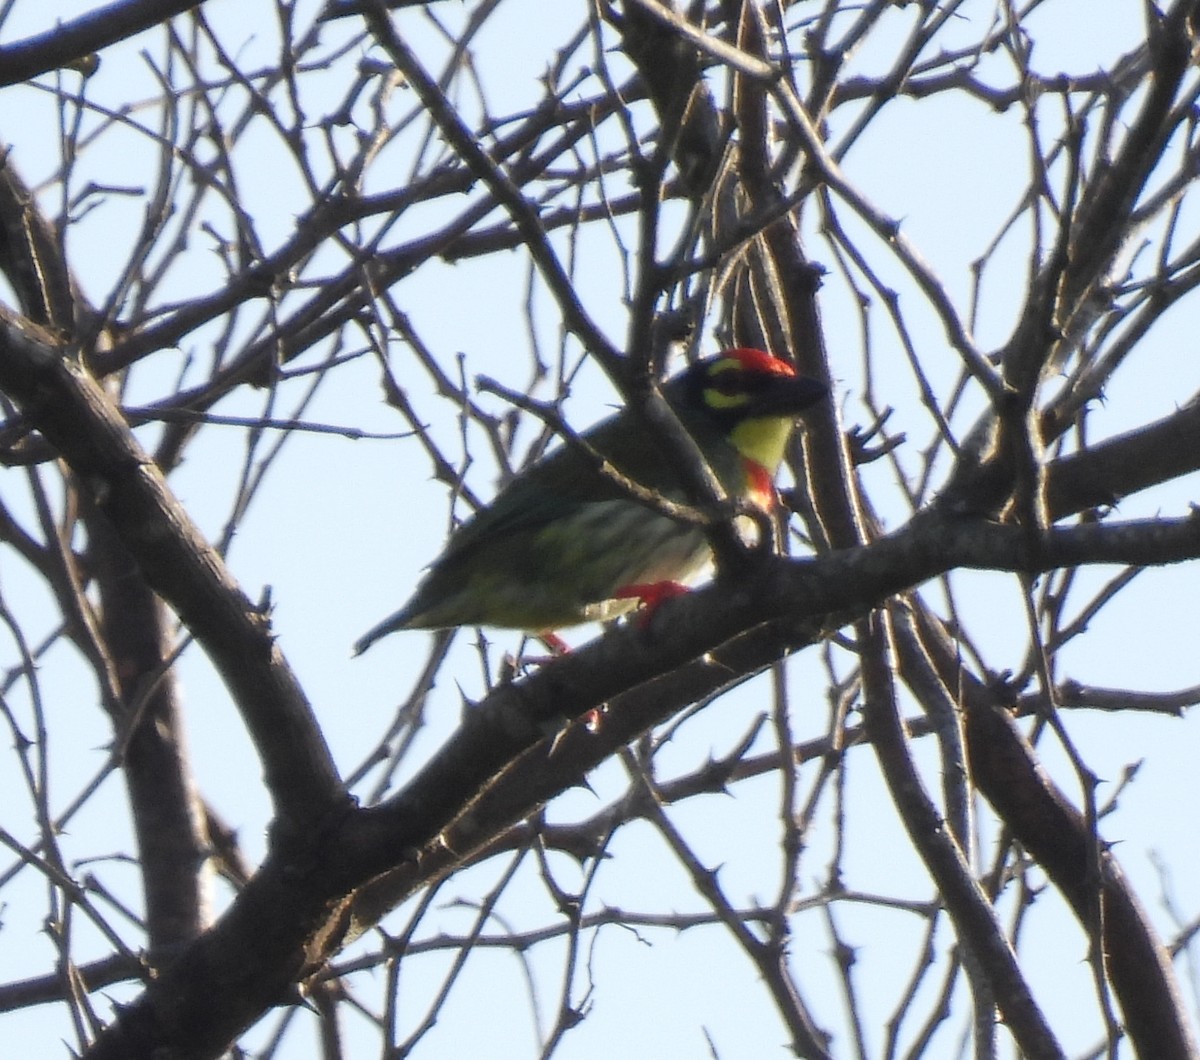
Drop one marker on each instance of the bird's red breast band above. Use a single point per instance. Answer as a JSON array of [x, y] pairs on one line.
[[762, 487]]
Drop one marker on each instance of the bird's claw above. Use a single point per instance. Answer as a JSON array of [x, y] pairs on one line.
[[650, 597]]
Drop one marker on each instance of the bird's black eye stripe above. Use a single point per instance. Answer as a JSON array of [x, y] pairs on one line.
[[735, 381], [730, 381]]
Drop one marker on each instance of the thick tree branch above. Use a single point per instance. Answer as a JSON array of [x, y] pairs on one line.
[[60, 399], [293, 914], [974, 918], [1005, 768], [73, 42], [129, 646], [741, 100]]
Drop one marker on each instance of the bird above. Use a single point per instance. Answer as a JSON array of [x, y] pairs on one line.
[[563, 544]]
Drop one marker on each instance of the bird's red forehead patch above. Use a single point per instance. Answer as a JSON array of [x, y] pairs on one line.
[[758, 361]]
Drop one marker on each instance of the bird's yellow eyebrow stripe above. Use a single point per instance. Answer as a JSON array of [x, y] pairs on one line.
[[717, 400], [713, 397]]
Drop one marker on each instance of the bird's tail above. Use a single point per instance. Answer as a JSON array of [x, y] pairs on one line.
[[389, 625]]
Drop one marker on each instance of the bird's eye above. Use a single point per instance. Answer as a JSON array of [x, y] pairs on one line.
[[728, 382]]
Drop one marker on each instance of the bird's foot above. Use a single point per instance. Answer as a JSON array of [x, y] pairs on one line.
[[555, 645], [650, 596]]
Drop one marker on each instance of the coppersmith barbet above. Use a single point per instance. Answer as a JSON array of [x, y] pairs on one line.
[[562, 544]]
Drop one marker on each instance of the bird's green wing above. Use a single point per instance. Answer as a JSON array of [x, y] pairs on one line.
[[566, 479], [546, 491]]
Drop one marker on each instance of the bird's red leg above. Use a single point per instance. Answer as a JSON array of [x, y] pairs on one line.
[[554, 643], [650, 596]]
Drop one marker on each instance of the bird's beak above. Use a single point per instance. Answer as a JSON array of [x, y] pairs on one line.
[[786, 395]]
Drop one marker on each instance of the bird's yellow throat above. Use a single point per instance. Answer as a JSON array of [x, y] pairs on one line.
[[763, 440]]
